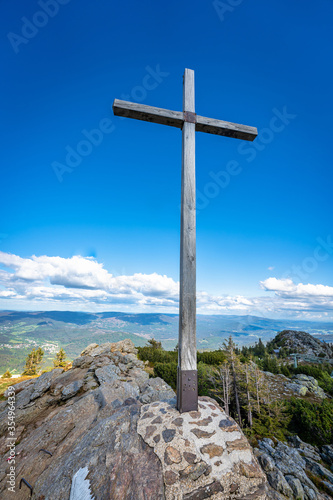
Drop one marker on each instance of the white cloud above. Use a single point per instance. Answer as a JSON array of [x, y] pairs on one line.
[[288, 288], [82, 283], [303, 300], [270, 268], [7, 293], [81, 272], [81, 279]]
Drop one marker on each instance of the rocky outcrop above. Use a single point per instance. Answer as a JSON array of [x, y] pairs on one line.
[[105, 430], [290, 467], [282, 387], [302, 384], [326, 454], [303, 343]]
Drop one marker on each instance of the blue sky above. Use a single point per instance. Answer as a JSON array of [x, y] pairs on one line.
[[98, 229]]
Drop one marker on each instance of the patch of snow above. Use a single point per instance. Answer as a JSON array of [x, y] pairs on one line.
[[80, 489]]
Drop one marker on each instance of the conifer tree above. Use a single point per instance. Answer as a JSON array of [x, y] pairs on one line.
[[232, 358], [222, 378], [226, 387], [59, 361], [155, 344], [260, 348], [248, 395], [258, 382], [33, 361]]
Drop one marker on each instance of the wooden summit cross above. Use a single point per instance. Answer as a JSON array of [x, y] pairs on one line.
[[189, 122]]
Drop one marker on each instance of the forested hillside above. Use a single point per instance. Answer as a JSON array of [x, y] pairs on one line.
[[257, 388]]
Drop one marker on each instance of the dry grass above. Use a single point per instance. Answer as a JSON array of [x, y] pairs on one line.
[[149, 370], [6, 382], [317, 481]]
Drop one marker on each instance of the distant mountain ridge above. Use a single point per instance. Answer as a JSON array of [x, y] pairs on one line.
[[247, 322], [81, 318], [20, 331]]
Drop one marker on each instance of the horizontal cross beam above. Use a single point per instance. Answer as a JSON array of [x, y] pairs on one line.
[[177, 118]]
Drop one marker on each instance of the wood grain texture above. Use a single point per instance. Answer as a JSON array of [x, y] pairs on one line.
[[187, 352], [176, 118], [188, 91], [228, 129], [148, 113]]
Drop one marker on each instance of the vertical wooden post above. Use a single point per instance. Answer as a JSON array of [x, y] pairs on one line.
[[187, 384], [187, 377]]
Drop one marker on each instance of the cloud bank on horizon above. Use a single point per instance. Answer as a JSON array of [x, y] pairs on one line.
[[82, 283]]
